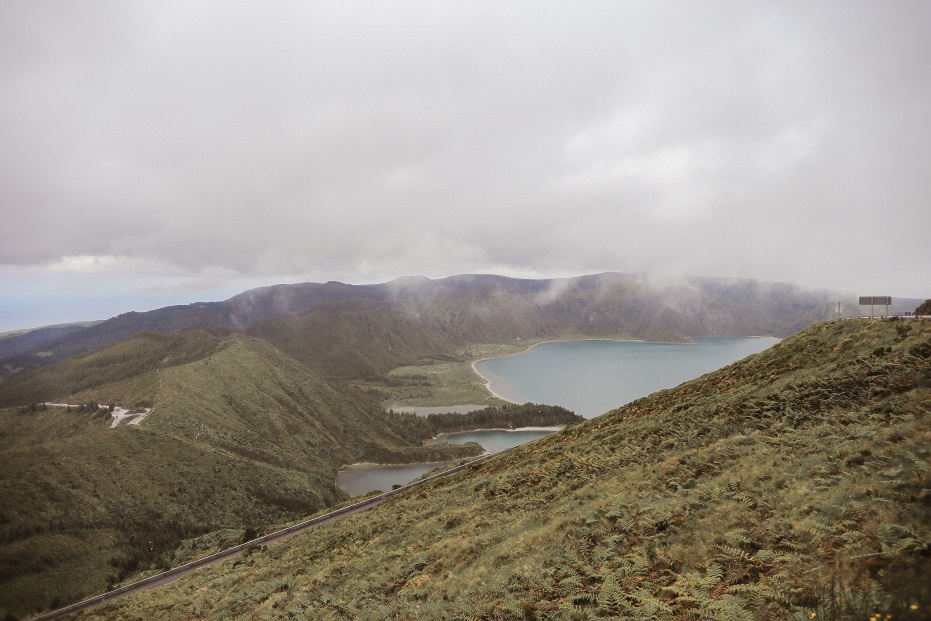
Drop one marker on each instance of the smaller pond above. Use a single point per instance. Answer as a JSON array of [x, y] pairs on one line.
[[359, 479], [493, 440]]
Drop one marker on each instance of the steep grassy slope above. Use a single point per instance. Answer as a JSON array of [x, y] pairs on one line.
[[354, 339], [241, 435], [134, 357], [794, 483]]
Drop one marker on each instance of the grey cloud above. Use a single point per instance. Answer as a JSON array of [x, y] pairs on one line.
[[367, 141]]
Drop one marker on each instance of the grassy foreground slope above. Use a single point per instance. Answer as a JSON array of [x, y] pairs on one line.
[[241, 435], [793, 482]]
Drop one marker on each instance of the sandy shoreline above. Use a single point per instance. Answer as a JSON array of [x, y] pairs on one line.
[[487, 383]]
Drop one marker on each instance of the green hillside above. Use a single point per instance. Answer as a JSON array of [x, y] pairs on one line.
[[241, 436], [132, 358], [354, 339], [791, 485]]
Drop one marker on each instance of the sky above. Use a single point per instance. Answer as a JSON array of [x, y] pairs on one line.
[[156, 153]]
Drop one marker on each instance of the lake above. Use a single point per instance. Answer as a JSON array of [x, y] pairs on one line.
[[587, 377], [592, 377], [359, 479], [494, 440]]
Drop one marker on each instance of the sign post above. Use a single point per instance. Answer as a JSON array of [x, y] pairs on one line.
[[877, 300]]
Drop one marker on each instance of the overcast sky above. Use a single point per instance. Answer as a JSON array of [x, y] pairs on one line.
[[169, 152]]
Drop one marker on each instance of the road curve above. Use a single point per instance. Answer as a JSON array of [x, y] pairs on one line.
[[173, 574]]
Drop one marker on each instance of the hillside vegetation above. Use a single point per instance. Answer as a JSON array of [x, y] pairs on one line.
[[241, 436], [132, 358], [791, 485]]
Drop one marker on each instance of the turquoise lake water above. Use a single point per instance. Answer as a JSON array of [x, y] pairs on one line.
[[587, 377], [592, 377]]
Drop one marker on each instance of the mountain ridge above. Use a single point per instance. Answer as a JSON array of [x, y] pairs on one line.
[[681, 310]]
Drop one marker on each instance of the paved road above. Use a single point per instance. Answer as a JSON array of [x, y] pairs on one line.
[[183, 570], [173, 574]]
